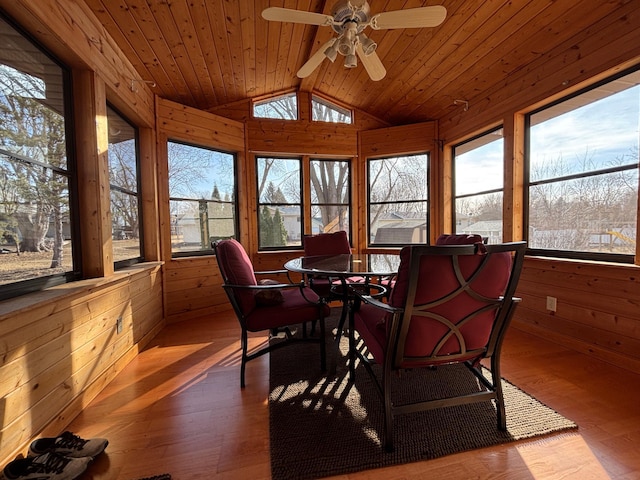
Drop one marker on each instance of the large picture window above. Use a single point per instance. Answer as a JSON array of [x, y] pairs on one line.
[[583, 173], [478, 185], [282, 185], [202, 203], [36, 208], [280, 221], [330, 195], [125, 188], [398, 200]]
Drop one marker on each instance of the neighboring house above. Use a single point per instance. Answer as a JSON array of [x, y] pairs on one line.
[[463, 221], [491, 229], [400, 228], [187, 227]]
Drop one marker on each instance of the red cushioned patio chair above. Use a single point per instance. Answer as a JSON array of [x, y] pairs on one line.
[[450, 304], [272, 306], [335, 243]]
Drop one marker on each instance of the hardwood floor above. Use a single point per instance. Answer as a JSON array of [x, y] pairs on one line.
[[178, 408]]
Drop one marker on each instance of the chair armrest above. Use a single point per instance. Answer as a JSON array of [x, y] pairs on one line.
[[266, 287], [378, 304], [271, 272], [276, 272]]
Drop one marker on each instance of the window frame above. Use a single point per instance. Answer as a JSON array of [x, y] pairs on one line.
[[274, 99], [570, 254], [40, 283], [119, 264], [301, 205], [306, 209], [456, 197], [369, 242], [236, 223], [349, 203], [331, 106]]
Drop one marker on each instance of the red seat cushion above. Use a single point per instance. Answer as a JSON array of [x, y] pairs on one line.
[[295, 308]]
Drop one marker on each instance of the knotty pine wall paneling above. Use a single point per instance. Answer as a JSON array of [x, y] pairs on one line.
[[192, 285], [60, 347], [90, 111], [59, 352]]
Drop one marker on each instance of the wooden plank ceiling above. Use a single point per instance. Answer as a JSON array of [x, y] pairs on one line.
[[209, 53]]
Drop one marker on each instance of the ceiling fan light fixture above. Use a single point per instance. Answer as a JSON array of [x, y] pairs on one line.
[[332, 52], [345, 46], [351, 61], [368, 45]]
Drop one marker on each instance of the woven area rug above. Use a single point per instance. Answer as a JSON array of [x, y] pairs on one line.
[[322, 426]]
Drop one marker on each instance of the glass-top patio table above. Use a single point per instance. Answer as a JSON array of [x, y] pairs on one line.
[[362, 271]]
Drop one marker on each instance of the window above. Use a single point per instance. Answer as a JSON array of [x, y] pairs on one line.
[[398, 200], [478, 185], [325, 111], [124, 184], [202, 203], [330, 195], [583, 173], [279, 202], [284, 107], [37, 229]]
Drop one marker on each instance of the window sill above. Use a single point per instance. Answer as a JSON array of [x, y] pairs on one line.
[[78, 288]]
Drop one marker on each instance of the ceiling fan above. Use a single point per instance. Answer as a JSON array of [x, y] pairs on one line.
[[349, 18]]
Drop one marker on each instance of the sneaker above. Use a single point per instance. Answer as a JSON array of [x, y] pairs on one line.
[[50, 466], [69, 445]]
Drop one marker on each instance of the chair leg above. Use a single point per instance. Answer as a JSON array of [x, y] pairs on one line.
[[352, 349], [244, 343], [323, 346], [497, 383], [388, 414]]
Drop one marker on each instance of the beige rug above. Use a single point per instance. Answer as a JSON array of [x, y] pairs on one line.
[[323, 426]]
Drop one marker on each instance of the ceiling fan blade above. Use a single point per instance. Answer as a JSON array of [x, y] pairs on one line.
[[315, 60], [371, 64], [409, 18], [278, 14]]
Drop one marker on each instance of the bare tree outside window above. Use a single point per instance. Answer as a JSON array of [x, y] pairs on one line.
[[35, 220], [324, 111], [583, 171], [202, 197], [284, 107], [330, 180], [398, 200]]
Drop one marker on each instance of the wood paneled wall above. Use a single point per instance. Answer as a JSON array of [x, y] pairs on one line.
[[192, 286], [60, 347], [598, 307], [598, 303]]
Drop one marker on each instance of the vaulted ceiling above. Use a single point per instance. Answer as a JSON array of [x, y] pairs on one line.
[[210, 53]]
